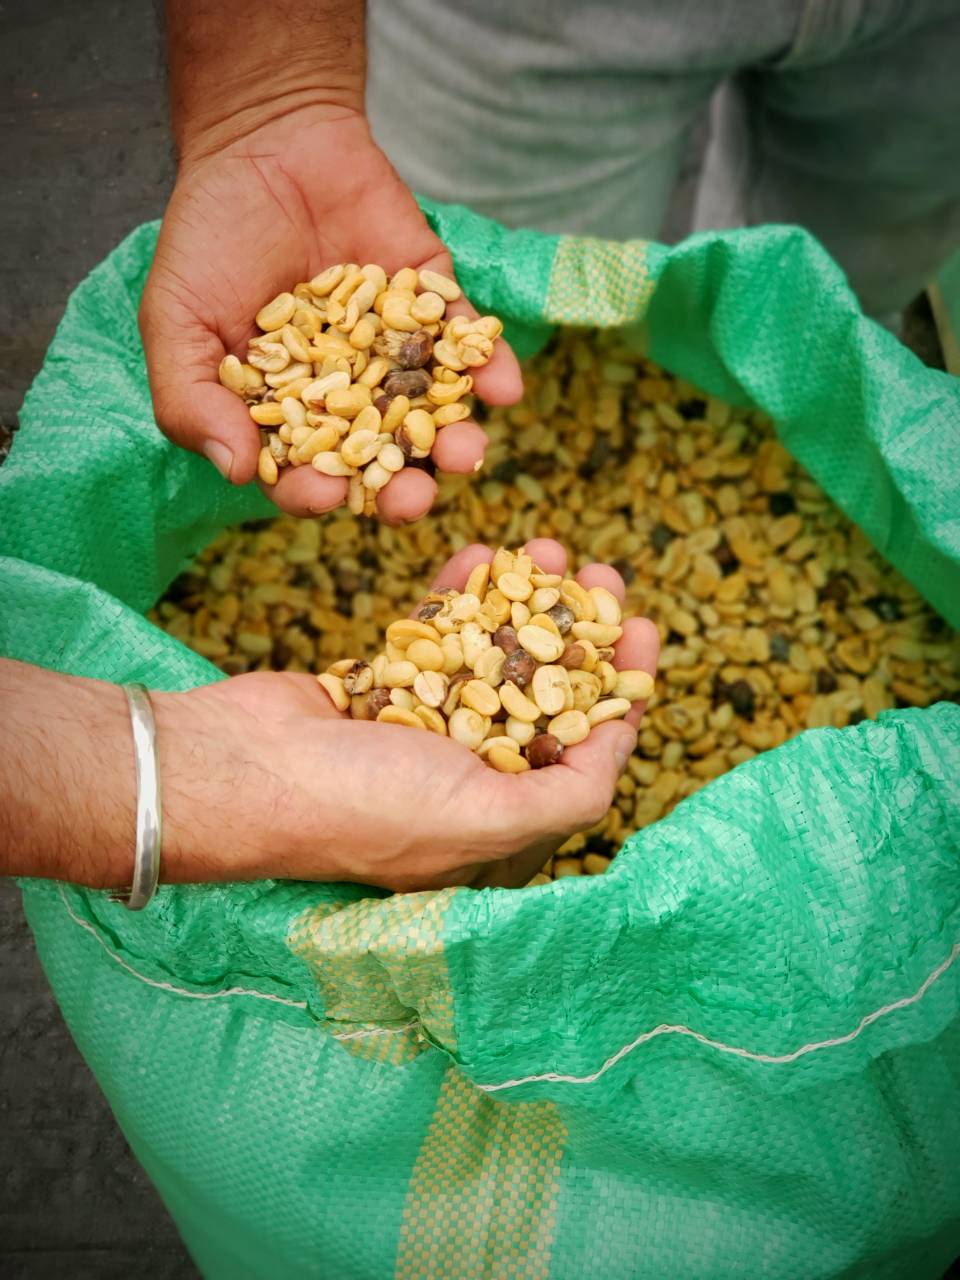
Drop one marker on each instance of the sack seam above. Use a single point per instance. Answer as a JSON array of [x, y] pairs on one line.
[[552, 1077], [224, 992]]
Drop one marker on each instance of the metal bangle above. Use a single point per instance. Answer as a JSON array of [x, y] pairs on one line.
[[146, 866]]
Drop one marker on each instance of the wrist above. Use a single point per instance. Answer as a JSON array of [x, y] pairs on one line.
[[252, 115]]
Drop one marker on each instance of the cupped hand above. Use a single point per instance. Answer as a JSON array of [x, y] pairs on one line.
[[387, 805], [245, 223]]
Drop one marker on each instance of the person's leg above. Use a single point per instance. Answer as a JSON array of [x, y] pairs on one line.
[[564, 115], [856, 136]]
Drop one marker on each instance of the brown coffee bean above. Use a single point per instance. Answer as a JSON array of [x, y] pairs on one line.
[[572, 657], [429, 611], [407, 382], [369, 705], [415, 351], [544, 749], [562, 616], [506, 638], [519, 667]]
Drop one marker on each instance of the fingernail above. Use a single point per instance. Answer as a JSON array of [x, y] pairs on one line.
[[624, 750], [220, 456]]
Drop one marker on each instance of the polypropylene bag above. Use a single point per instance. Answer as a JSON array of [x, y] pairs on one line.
[[736, 1053]]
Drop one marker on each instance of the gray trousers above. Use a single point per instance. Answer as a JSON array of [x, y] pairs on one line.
[[573, 115]]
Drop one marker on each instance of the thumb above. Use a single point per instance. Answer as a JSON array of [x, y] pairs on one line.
[[190, 405]]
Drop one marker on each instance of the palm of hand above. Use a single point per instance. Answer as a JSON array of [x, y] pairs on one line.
[[244, 225]]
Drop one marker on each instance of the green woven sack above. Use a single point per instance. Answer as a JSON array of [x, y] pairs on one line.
[[736, 1054]]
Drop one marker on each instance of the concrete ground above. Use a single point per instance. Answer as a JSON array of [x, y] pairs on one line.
[[86, 158]]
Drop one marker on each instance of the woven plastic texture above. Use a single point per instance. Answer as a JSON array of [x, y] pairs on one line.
[[736, 1053]]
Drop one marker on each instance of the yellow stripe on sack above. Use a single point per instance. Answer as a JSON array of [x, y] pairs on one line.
[[600, 283], [483, 1197], [381, 970]]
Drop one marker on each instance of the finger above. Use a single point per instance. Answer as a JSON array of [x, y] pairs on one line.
[[500, 381], [637, 650], [602, 575], [301, 491], [460, 447], [548, 554], [408, 496], [190, 405]]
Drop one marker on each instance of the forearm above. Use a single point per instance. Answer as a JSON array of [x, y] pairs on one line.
[[68, 785], [235, 65]]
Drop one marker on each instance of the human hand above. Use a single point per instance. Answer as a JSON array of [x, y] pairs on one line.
[[317, 796], [245, 221]]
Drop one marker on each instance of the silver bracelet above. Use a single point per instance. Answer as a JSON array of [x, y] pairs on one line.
[[146, 866]]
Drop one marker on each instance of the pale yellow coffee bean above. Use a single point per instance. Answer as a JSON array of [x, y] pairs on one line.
[[330, 463], [294, 411], [341, 425], [397, 410], [550, 687], [515, 587], [391, 457], [607, 674], [441, 393], [516, 704], [467, 726], [320, 388], [447, 354], [360, 447], [597, 633], [375, 372], [496, 605], [519, 614], [420, 430], [634, 685], [586, 687], [447, 414], [403, 698], [428, 307], [322, 440], [478, 580], [363, 333], [523, 564], [333, 687], [502, 563], [607, 606], [231, 375], [296, 344], [489, 666], [479, 695], [542, 580], [276, 313], [323, 284], [432, 719], [300, 435], [506, 761], [347, 402], [399, 675], [368, 419], [545, 621], [543, 598], [252, 378], [405, 279], [434, 282], [376, 477], [521, 731], [267, 466], [607, 709], [540, 643], [396, 314], [404, 631], [399, 715], [343, 667], [431, 685], [465, 607], [498, 740], [579, 600], [569, 728], [267, 415], [270, 358], [356, 496], [426, 654]]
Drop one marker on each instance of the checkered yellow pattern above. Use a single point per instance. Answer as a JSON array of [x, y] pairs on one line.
[[599, 283], [381, 971], [483, 1197]]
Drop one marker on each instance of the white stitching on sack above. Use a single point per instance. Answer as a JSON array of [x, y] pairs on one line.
[[664, 1030], [552, 1076], [227, 991]]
